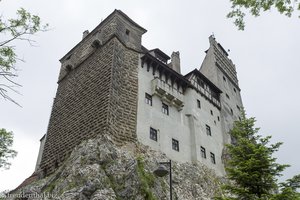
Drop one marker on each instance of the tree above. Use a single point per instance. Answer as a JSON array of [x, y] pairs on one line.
[[11, 30], [6, 141], [255, 7], [252, 171], [289, 189]]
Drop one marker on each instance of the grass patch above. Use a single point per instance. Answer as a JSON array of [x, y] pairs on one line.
[[146, 178]]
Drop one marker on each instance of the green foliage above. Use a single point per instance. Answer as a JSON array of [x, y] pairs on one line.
[[6, 141], [289, 189], [50, 188], [255, 7], [3, 194], [20, 28], [147, 180], [251, 169]]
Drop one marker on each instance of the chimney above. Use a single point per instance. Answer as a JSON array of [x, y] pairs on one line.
[[175, 61], [85, 33]]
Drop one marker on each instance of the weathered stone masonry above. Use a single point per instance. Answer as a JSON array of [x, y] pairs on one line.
[[97, 90]]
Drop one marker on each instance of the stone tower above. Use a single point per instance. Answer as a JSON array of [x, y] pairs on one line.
[[97, 89], [220, 70]]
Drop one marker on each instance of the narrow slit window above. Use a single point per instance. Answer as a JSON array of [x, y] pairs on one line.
[[203, 152], [212, 158], [198, 103], [148, 99], [208, 130]]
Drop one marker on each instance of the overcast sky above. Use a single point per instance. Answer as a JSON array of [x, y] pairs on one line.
[[266, 56]]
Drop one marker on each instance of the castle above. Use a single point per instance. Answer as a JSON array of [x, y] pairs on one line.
[[110, 84]]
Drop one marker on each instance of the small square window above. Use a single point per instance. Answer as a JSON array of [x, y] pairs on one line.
[[148, 99], [175, 144], [227, 96], [198, 103], [234, 90], [212, 158], [153, 134], [208, 130], [127, 32], [165, 108], [203, 152], [211, 112]]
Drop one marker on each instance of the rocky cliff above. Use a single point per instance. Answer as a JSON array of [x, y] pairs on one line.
[[97, 169]]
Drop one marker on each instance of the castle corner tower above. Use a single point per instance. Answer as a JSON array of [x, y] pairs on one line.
[[221, 71], [99, 73]]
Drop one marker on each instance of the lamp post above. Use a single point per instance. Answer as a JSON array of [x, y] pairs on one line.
[[162, 171]]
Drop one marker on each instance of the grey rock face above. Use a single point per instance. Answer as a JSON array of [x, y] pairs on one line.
[[98, 169]]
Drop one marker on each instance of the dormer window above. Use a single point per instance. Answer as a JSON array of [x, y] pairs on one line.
[[158, 54], [68, 58]]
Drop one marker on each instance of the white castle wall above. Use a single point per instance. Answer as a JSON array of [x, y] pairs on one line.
[[188, 125]]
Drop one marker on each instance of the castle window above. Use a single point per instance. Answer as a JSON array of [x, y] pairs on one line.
[[212, 158], [231, 111], [234, 90], [148, 99], [218, 118], [211, 112], [153, 134], [165, 108], [198, 103], [240, 119], [208, 130], [203, 152], [175, 145], [227, 96], [127, 32], [224, 78], [69, 68], [238, 108]]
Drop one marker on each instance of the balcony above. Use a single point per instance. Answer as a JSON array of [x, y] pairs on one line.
[[167, 93]]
